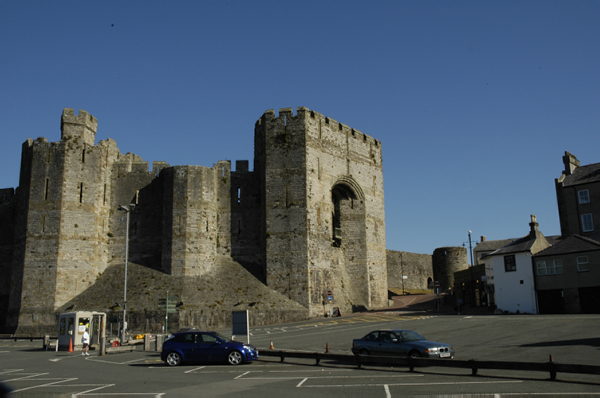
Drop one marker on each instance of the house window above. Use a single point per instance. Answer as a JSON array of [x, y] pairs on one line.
[[584, 196], [587, 224], [558, 267], [541, 268], [553, 268], [582, 264], [509, 263]]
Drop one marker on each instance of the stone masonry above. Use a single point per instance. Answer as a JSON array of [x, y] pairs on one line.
[[309, 219]]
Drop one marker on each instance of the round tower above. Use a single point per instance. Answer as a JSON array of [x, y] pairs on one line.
[[446, 261]]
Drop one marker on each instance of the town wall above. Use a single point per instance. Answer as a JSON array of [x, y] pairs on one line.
[[446, 261], [416, 268]]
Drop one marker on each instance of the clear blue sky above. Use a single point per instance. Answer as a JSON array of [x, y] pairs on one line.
[[474, 102]]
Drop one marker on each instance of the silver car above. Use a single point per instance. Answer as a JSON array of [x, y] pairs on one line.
[[402, 343]]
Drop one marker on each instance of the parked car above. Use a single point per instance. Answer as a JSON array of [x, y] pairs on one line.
[[400, 342], [199, 346]]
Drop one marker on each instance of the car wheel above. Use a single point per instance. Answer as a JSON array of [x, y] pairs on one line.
[[235, 358], [173, 359], [363, 352], [414, 354]]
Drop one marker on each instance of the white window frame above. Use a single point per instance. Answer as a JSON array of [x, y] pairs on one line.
[[584, 196], [558, 267], [555, 268], [541, 268], [587, 222], [583, 264]]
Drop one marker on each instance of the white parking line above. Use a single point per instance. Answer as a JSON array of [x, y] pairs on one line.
[[387, 391], [240, 376], [302, 382], [329, 377], [120, 394], [193, 370], [413, 384], [7, 371], [93, 389], [45, 385], [94, 359], [27, 377]]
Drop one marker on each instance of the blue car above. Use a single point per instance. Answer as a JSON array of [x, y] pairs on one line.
[[198, 346], [402, 343]]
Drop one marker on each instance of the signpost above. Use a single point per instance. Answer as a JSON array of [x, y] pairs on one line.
[[169, 307], [437, 292], [239, 324]]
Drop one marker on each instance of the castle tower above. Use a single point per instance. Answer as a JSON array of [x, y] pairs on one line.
[[322, 185], [446, 261], [64, 247], [82, 126]]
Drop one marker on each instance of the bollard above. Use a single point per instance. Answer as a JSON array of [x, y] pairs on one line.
[[160, 339], [326, 347]]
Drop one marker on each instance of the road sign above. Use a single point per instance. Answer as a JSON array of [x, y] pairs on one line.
[[437, 284], [168, 305]]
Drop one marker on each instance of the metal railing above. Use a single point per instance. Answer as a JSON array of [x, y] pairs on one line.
[[551, 367]]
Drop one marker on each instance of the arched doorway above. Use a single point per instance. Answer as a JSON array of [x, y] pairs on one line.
[[343, 199]]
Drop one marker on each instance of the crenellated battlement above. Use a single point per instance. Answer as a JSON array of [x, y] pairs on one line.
[[309, 218], [286, 115], [82, 126]]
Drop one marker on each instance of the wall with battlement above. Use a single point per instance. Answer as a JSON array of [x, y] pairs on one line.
[[309, 219], [320, 173]]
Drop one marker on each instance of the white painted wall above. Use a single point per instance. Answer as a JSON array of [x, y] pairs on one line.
[[511, 294]]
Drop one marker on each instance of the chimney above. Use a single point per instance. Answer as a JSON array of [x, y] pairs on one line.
[[534, 227], [483, 238], [570, 162]]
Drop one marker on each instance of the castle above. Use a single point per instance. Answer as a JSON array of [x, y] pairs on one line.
[[308, 220]]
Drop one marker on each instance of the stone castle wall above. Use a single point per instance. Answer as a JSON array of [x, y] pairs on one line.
[[322, 177], [416, 268], [309, 219], [447, 261]]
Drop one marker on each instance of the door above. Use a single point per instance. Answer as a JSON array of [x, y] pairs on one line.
[[388, 344], [210, 348]]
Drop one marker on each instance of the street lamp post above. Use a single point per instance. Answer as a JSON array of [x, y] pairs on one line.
[[470, 249], [127, 210]]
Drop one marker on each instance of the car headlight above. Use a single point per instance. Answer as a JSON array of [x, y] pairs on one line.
[[247, 347]]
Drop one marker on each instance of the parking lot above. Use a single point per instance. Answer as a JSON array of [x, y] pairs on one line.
[[27, 369]]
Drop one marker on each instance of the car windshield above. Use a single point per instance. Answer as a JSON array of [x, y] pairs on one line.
[[409, 335]]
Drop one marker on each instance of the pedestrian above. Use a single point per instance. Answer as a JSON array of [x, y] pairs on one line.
[[85, 340], [459, 305]]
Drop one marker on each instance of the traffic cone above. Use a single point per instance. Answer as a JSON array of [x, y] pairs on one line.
[[70, 345], [326, 347], [271, 347]]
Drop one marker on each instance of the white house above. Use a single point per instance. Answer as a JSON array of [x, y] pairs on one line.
[[513, 272]]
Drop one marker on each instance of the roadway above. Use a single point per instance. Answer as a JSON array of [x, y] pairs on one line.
[[572, 339]]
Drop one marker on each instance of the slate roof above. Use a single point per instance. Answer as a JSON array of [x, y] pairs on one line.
[[529, 243], [583, 175], [571, 244], [488, 245]]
